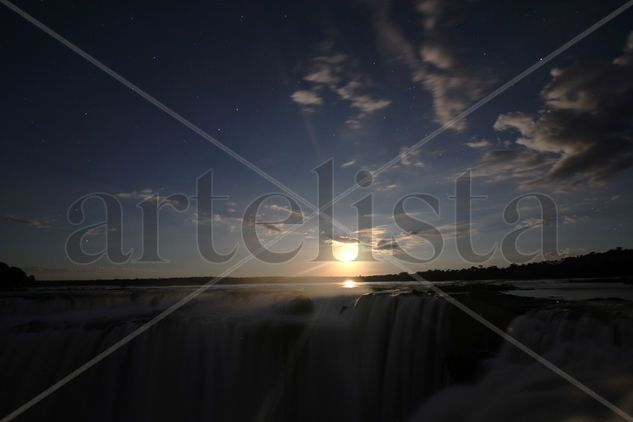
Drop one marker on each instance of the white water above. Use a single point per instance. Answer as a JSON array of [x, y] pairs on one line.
[[597, 350], [230, 356], [291, 355]]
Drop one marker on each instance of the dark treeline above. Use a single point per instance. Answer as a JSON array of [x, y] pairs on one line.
[[614, 263], [13, 276]]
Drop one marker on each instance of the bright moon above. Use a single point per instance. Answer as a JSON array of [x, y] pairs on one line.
[[345, 252]]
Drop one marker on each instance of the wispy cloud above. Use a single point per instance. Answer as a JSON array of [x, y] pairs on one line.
[[285, 210], [569, 219], [515, 163], [336, 73], [275, 228], [31, 222], [230, 222], [437, 64], [410, 158], [384, 187], [306, 98], [149, 194], [584, 127], [481, 143]]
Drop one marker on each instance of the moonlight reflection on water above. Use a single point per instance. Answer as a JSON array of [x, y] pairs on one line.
[[349, 284]]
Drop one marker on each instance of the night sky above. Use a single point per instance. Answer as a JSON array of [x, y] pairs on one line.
[[291, 84]]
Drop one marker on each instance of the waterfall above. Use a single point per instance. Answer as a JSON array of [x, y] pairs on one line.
[[290, 355], [595, 346], [229, 356]]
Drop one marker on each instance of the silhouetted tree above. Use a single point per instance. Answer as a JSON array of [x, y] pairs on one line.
[[13, 276]]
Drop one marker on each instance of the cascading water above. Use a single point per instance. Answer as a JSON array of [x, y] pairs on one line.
[[234, 356], [592, 344], [293, 354]]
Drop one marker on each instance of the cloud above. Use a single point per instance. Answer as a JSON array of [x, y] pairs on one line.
[[150, 194], [454, 81], [337, 73], [99, 231], [482, 143], [306, 98], [432, 11], [31, 222], [345, 239], [275, 228], [389, 239], [585, 126], [531, 222], [516, 163], [353, 123], [416, 240], [387, 245], [375, 231], [231, 223], [451, 95], [365, 103], [574, 219], [284, 209], [386, 187], [143, 194], [276, 216], [437, 56], [627, 55], [438, 63], [324, 75], [410, 158]]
